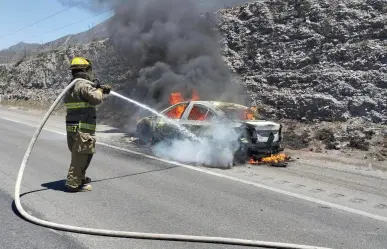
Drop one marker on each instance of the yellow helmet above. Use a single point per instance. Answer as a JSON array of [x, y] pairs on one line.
[[80, 63]]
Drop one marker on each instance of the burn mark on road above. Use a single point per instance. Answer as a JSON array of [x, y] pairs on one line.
[[317, 190], [357, 200], [336, 195], [381, 206]]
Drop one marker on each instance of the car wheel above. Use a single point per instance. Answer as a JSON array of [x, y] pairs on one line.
[[144, 132], [241, 156]]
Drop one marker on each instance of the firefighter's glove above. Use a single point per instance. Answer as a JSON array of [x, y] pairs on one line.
[[106, 89], [97, 83]]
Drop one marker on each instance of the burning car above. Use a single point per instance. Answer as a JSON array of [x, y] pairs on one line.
[[256, 139]]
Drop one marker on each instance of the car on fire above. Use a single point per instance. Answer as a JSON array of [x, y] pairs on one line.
[[257, 139]]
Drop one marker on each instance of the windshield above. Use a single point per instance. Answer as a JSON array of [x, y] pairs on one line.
[[238, 112]]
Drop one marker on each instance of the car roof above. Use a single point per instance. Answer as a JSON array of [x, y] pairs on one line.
[[218, 103]]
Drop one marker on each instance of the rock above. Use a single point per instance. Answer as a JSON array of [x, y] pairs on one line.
[[378, 156], [332, 146], [368, 133], [325, 134], [294, 140], [359, 143]]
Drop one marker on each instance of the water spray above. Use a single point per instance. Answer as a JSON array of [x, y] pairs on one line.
[[171, 121], [126, 234]]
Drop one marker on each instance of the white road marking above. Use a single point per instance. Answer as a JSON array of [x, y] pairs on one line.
[[258, 185]]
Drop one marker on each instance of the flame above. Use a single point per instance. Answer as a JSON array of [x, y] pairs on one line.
[[175, 98], [251, 113], [179, 111], [249, 116], [176, 112], [279, 158]]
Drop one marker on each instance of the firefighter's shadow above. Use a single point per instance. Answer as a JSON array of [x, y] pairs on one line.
[[60, 184], [56, 185]]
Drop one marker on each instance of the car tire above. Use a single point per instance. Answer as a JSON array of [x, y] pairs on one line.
[[144, 133], [241, 156]]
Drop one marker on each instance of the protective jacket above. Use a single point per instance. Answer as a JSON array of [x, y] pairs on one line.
[[81, 103]]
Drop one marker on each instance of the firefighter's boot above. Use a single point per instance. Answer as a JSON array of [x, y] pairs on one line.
[[81, 188], [86, 180]]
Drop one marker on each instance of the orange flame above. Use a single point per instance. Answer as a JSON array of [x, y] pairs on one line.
[[249, 113], [279, 158], [249, 116], [176, 97]]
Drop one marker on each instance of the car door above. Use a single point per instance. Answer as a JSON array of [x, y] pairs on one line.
[[198, 119]]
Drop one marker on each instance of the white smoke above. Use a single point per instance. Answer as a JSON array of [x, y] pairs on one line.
[[219, 145]]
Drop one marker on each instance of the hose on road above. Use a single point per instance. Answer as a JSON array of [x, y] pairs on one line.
[[125, 234]]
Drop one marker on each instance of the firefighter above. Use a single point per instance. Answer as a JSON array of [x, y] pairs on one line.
[[80, 102]]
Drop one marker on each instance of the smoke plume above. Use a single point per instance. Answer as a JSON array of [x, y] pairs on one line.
[[174, 47]]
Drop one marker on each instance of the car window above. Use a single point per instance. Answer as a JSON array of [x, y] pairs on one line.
[[176, 112], [200, 113], [239, 113], [210, 116]]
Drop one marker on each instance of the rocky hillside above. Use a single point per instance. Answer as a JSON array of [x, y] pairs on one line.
[[311, 59], [305, 60], [43, 78], [25, 51], [17, 51]]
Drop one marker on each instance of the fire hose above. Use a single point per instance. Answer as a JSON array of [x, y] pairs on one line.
[[126, 234]]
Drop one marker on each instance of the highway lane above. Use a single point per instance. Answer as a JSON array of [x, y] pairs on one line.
[[16, 233], [139, 194]]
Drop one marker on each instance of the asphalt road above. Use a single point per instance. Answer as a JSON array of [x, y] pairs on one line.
[[134, 193]]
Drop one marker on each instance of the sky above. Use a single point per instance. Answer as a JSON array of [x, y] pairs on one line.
[[16, 14]]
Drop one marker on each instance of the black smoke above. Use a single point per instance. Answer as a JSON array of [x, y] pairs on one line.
[[175, 46]]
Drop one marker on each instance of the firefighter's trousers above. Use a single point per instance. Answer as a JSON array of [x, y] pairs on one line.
[[82, 148]]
